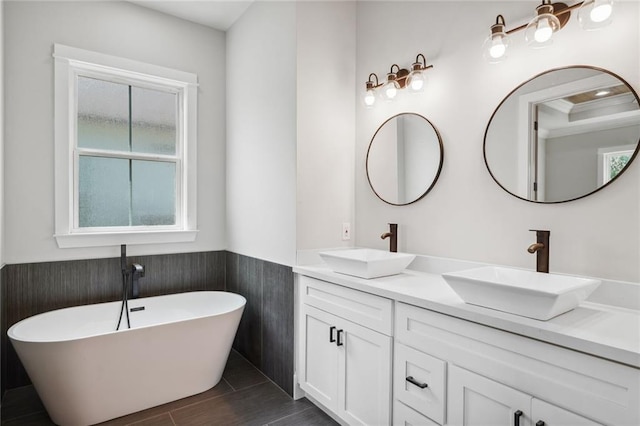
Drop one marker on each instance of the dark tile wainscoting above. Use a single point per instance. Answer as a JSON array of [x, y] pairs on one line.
[[265, 335]]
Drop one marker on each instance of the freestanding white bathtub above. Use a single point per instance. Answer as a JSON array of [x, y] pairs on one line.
[[86, 373]]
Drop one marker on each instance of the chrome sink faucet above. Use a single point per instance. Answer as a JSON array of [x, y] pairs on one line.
[[541, 249], [393, 237]]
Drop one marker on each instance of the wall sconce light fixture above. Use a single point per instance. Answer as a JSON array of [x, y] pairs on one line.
[[397, 78], [550, 17]]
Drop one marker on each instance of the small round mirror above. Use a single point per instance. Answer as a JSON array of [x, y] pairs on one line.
[[404, 159], [563, 135]]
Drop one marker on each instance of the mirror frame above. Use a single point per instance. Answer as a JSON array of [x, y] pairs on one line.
[[435, 178], [484, 144]]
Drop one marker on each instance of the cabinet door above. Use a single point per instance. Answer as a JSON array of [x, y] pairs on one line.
[[545, 414], [319, 356], [365, 376], [475, 400]]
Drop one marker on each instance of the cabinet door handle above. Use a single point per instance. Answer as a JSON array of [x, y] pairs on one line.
[[339, 342], [540, 423], [413, 381], [331, 337], [516, 418]]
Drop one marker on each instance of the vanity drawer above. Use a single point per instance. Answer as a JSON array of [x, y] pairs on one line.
[[419, 382], [405, 416], [366, 309]]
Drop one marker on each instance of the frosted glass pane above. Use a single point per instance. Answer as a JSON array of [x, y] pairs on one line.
[[103, 114], [153, 121], [103, 192], [153, 193]]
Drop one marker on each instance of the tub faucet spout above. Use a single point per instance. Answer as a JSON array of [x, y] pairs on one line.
[[137, 272]]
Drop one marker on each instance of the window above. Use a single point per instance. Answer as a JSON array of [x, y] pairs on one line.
[[611, 161], [125, 151]]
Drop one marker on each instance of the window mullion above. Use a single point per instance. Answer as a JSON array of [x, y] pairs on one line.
[[130, 162]]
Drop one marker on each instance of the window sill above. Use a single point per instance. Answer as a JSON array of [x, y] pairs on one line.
[[117, 238]]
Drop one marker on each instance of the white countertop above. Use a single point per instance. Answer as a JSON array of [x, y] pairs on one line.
[[605, 331]]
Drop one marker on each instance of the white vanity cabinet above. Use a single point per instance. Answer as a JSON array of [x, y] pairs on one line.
[[345, 351], [498, 378], [475, 400], [382, 352]]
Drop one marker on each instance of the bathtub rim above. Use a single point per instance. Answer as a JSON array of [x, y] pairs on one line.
[[241, 305]]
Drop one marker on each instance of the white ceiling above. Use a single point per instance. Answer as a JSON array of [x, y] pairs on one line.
[[218, 14]]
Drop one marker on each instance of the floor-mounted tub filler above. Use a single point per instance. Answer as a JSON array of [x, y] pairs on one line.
[[86, 373]]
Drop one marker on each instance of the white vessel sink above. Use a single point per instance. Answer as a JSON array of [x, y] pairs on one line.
[[521, 292], [366, 263]]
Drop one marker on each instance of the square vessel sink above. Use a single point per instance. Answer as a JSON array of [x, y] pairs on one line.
[[366, 263], [521, 292]]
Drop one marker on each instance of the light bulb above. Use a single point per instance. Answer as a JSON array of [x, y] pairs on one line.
[[497, 49], [539, 32], [543, 31], [416, 81], [369, 98], [390, 90], [495, 46], [595, 14], [601, 11]]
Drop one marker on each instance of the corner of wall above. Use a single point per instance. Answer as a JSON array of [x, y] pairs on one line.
[[261, 133], [1, 134], [326, 132]]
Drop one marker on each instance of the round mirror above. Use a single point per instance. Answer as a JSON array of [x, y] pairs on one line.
[[563, 135], [404, 159]]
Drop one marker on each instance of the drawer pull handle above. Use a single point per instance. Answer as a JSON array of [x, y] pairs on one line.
[[540, 423], [516, 418], [339, 342], [413, 381], [331, 337]]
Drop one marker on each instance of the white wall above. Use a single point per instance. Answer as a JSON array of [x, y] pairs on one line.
[[290, 128], [467, 215], [114, 28], [1, 139], [326, 101], [1, 133], [569, 160], [261, 133]]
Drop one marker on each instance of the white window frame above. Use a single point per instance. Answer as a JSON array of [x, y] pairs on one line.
[[70, 63]]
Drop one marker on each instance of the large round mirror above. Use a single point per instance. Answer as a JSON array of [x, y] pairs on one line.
[[404, 159], [563, 135]]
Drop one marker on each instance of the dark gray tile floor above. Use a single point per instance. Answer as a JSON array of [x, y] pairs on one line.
[[244, 396]]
